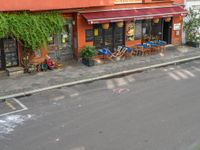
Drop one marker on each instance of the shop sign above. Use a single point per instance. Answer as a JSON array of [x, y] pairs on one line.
[[177, 26], [130, 30], [127, 1]]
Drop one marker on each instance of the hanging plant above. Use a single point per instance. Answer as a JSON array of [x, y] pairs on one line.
[[105, 26], [168, 19], [156, 20], [31, 30], [120, 24]]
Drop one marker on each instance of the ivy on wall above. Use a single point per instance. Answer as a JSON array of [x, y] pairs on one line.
[[32, 30], [192, 25]]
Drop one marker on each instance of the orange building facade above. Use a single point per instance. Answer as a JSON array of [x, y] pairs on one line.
[[99, 23]]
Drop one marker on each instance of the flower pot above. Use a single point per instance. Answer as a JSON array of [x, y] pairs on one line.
[[120, 24], [105, 26], [88, 62], [167, 19], [156, 20]]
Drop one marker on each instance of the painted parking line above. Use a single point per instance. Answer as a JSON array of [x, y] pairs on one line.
[[15, 111], [10, 105]]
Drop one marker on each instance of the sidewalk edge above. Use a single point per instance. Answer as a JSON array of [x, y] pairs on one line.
[[98, 78]]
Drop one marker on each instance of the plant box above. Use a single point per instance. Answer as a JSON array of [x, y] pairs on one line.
[[88, 62]]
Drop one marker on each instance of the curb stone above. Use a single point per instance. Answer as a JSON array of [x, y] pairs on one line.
[[106, 76]]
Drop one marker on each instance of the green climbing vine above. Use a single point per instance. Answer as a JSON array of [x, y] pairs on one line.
[[192, 25], [32, 30]]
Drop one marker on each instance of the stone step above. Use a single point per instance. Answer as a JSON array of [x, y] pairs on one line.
[[15, 71]]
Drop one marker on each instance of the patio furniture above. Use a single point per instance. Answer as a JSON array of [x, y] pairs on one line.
[[161, 44], [143, 49], [129, 52], [153, 46], [117, 54]]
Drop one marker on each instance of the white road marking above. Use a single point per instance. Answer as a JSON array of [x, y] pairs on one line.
[[10, 105], [171, 68], [181, 74], [110, 84], [22, 105], [195, 68], [120, 81], [165, 69], [175, 77], [188, 73], [130, 78], [78, 148], [59, 98], [16, 111], [74, 95]]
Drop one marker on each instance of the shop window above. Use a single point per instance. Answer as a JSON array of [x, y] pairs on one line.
[[146, 30], [89, 35], [60, 45], [118, 36], [98, 38], [109, 38], [156, 30], [138, 30]]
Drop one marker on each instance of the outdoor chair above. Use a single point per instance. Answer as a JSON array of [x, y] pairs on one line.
[[153, 47], [117, 54], [161, 45], [129, 52], [143, 49]]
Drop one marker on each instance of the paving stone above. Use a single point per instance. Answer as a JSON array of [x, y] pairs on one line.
[[77, 71]]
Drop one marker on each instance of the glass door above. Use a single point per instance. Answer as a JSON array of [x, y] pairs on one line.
[[118, 36], [10, 52], [108, 38]]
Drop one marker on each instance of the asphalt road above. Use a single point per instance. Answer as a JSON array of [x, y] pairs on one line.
[[153, 110]]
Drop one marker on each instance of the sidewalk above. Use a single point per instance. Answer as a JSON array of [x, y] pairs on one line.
[[76, 71]]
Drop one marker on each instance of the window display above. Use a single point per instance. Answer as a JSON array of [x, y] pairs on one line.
[[130, 30], [60, 45], [138, 30]]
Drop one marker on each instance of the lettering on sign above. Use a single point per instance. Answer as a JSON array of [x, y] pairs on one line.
[[127, 1], [177, 26]]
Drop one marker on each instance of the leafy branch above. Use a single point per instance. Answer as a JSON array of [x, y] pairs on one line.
[[31, 30], [192, 25]]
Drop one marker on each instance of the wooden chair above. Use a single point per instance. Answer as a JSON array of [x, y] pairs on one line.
[[144, 49]]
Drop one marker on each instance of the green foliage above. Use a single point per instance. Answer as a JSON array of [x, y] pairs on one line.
[[192, 25], [88, 52], [32, 30]]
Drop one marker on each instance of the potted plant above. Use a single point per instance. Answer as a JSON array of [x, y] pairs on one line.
[[191, 28], [87, 54]]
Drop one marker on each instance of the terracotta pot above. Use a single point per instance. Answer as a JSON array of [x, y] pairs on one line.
[[105, 26], [167, 19], [120, 24], [156, 20]]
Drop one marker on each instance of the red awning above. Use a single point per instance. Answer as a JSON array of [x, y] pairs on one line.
[[133, 14]]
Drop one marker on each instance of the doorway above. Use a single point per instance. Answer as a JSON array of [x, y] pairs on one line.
[[167, 31], [8, 53]]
